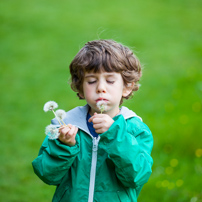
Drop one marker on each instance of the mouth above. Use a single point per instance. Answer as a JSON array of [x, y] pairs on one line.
[[101, 99]]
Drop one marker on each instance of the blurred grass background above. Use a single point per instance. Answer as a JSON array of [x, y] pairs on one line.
[[38, 40]]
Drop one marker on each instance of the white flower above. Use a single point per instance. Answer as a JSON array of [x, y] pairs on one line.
[[61, 114], [50, 105], [102, 105], [52, 131]]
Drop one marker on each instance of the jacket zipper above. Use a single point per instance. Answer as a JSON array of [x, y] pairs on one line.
[[93, 168]]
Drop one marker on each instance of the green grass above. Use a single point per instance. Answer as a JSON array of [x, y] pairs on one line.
[[38, 41]]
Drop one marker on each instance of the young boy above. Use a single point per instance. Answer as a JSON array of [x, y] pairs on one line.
[[102, 156]]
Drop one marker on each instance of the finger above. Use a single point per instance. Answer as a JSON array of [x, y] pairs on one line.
[[99, 116], [100, 131], [64, 130], [94, 116], [97, 126], [98, 120], [61, 136], [90, 119], [71, 131], [60, 128], [63, 126], [75, 131], [69, 125]]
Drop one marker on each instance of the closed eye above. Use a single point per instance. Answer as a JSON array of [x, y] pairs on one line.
[[91, 82], [111, 82]]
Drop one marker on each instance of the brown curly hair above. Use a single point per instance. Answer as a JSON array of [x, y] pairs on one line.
[[107, 55]]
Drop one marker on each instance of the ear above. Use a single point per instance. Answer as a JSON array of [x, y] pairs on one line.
[[81, 95], [128, 89]]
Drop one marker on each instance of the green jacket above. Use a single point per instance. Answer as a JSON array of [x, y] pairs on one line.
[[111, 168]]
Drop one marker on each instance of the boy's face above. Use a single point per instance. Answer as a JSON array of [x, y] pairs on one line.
[[106, 86]]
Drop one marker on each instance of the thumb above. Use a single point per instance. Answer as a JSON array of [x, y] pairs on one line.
[[92, 117]]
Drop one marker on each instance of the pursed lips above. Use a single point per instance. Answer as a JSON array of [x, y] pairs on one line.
[[101, 99]]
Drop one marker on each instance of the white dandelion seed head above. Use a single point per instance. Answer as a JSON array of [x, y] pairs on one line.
[[52, 131], [50, 105], [61, 114], [102, 105]]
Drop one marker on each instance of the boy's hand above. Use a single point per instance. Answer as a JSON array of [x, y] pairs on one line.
[[101, 122], [68, 134]]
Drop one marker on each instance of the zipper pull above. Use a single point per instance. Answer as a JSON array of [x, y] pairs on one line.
[[95, 143]]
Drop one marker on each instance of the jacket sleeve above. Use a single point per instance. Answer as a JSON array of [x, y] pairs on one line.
[[129, 146], [54, 160]]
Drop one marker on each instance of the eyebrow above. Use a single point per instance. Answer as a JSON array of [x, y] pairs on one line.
[[90, 75], [105, 74]]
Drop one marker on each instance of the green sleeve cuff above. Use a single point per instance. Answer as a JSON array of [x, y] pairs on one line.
[[57, 148]]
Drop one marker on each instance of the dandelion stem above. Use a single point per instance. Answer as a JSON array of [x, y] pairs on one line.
[[102, 108], [63, 122], [56, 117]]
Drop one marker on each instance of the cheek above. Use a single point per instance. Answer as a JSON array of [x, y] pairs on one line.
[[87, 91], [117, 90], [116, 94]]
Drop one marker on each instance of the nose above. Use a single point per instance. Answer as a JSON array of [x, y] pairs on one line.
[[101, 87]]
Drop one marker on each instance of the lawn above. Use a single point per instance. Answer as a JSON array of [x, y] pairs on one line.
[[38, 40]]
